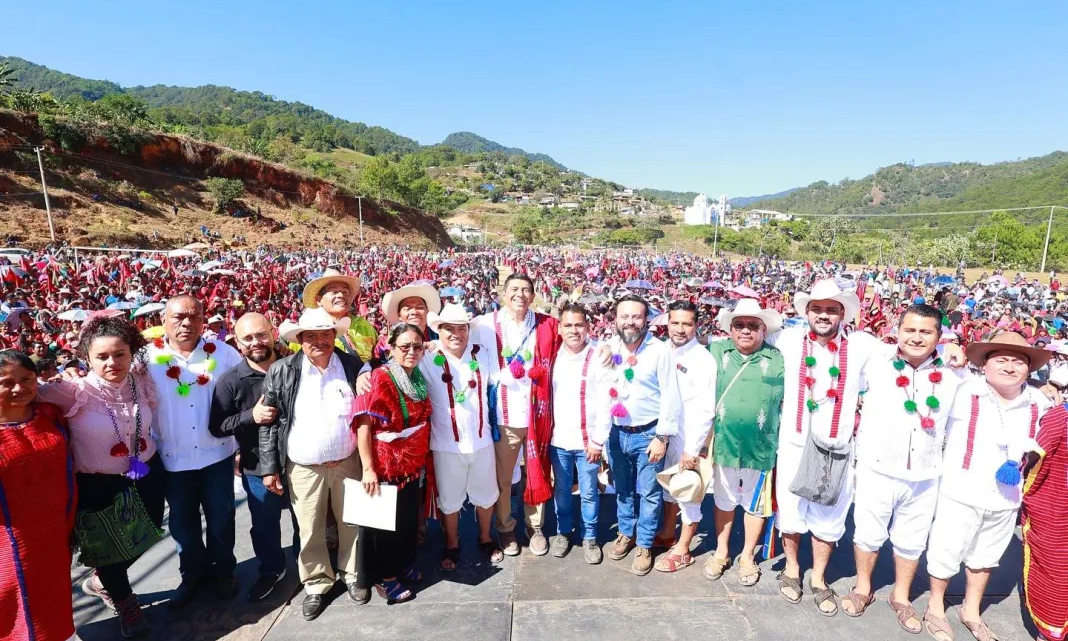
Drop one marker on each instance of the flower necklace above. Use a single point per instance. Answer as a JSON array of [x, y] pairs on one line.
[[618, 410], [137, 468], [809, 380], [902, 381], [513, 357], [459, 394], [175, 372]]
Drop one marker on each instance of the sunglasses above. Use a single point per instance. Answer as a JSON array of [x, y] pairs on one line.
[[753, 326], [410, 347]]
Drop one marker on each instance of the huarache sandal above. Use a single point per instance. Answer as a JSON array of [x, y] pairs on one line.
[[825, 595], [935, 625], [411, 575], [672, 562], [393, 591], [980, 630], [452, 557], [748, 575], [714, 568], [492, 552], [904, 612], [860, 602], [789, 582]]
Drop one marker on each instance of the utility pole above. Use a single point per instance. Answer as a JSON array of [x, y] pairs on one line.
[[1045, 249], [994, 251], [715, 237], [360, 199], [48, 207]]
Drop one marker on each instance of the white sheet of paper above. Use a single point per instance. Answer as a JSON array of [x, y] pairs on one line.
[[379, 512]]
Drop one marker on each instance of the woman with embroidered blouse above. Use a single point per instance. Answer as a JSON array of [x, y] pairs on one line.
[[110, 412], [393, 427]]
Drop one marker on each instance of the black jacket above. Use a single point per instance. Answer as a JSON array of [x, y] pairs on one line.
[[235, 395], [280, 391]]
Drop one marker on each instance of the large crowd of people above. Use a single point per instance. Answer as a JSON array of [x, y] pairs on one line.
[[925, 405]]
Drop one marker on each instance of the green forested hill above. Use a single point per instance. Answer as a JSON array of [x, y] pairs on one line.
[[944, 187], [470, 143]]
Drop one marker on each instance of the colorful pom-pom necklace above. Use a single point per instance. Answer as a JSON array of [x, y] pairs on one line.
[[927, 421], [175, 372]]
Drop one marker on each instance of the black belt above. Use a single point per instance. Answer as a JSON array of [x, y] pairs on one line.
[[637, 429]]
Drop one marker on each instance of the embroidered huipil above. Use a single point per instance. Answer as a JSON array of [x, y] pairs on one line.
[[518, 338], [570, 397], [890, 439], [791, 342], [181, 425], [653, 395], [997, 437], [322, 415], [471, 415], [748, 414], [696, 372]]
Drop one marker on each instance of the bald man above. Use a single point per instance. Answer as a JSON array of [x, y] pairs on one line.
[[236, 411]]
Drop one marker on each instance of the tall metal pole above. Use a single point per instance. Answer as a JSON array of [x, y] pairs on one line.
[[715, 237], [1045, 249], [360, 199], [44, 188]]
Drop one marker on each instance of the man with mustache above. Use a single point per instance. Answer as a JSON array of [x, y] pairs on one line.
[[646, 413], [909, 391], [237, 410]]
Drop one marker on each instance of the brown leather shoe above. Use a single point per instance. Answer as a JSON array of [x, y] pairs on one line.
[[620, 548], [508, 543], [643, 562]]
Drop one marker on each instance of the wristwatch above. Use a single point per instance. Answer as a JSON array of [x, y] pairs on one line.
[[660, 437]]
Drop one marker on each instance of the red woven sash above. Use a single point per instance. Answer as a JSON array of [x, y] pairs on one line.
[[973, 420], [582, 396]]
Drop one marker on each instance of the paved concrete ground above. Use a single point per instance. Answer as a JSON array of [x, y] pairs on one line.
[[542, 598]]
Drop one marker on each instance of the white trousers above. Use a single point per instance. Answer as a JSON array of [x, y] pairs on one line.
[[797, 515], [462, 476], [962, 533], [734, 487], [888, 507]]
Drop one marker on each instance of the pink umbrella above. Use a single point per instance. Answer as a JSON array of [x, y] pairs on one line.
[[741, 291], [713, 285], [592, 272], [1000, 279]]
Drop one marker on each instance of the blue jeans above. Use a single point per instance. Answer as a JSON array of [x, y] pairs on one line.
[[564, 464], [635, 479], [265, 508], [210, 488]]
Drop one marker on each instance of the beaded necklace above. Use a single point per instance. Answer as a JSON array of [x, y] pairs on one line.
[[806, 382], [931, 402], [459, 394], [515, 359], [137, 468]]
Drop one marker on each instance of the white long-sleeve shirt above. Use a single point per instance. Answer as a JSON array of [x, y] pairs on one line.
[[697, 390], [181, 425], [892, 441], [515, 337], [653, 394], [322, 416], [568, 400], [442, 438]]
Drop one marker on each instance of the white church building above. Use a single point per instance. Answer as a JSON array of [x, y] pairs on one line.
[[705, 212]]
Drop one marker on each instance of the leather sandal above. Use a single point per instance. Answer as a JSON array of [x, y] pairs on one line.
[[981, 631], [492, 552], [452, 555], [748, 575], [791, 583], [934, 625], [715, 568], [672, 562], [860, 602], [823, 595], [904, 612]]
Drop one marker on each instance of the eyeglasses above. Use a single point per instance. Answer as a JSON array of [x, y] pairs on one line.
[[753, 326], [262, 337], [410, 347]]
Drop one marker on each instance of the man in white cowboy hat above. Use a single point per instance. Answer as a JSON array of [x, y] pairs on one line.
[[908, 392], [457, 373], [696, 372], [411, 304], [992, 425], [335, 293], [821, 394], [750, 379], [312, 442]]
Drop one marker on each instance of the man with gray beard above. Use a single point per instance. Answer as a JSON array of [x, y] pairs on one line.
[[646, 409]]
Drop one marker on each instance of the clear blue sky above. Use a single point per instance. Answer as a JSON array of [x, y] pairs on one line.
[[741, 98]]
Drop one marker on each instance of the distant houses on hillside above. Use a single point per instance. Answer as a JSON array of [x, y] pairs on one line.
[[467, 235]]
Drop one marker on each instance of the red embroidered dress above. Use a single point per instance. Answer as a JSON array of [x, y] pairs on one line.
[[1045, 521], [37, 501], [401, 443]]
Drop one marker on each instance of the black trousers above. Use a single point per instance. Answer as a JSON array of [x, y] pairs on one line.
[[98, 491], [381, 553]]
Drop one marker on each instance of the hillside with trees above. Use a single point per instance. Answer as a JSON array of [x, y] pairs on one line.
[[470, 143]]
